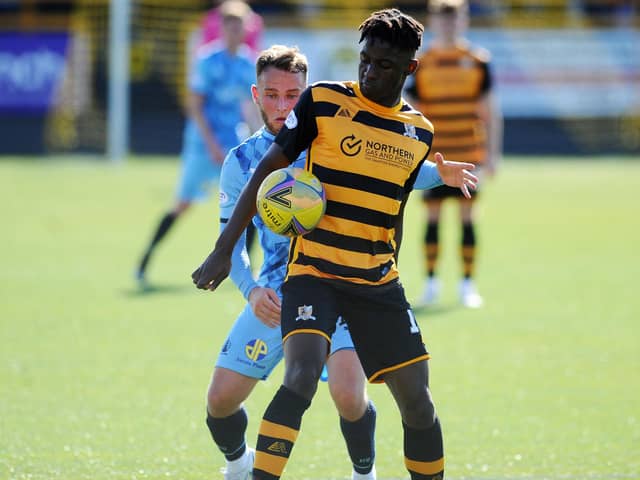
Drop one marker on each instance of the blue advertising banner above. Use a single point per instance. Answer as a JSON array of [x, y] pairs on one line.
[[31, 70]]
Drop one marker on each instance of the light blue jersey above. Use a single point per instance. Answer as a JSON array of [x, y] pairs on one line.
[[224, 80], [252, 348]]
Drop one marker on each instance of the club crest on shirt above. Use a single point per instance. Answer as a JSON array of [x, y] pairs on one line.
[[410, 131], [305, 312], [292, 121]]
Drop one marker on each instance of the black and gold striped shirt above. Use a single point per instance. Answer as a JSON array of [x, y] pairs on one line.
[[448, 86], [367, 156]]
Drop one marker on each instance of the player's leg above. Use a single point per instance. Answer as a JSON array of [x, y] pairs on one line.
[[163, 227], [390, 347], [433, 204], [423, 445], [249, 354], [347, 385], [227, 419], [468, 293], [307, 322]]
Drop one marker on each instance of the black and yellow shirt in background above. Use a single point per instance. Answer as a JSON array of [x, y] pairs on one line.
[[448, 86], [367, 157]]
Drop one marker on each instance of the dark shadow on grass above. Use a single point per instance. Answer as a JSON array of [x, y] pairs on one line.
[[436, 309], [156, 289]]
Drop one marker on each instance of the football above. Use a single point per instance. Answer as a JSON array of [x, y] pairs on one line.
[[291, 201]]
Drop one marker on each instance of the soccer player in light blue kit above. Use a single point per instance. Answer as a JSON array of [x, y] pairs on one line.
[[254, 345], [220, 112]]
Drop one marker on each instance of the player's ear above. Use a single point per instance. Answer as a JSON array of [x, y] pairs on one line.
[[413, 66], [254, 93]]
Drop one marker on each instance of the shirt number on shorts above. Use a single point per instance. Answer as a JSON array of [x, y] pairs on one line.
[[413, 325]]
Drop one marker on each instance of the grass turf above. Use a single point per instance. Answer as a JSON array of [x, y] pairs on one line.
[[101, 380]]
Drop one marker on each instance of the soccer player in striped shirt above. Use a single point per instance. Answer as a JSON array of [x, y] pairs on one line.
[[454, 87], [367, 146], [253, 347]]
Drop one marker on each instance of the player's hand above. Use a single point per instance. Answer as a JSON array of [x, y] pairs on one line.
[[213, 271], [265, 304], [456, 174]]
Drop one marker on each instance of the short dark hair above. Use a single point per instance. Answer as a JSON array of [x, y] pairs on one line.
[[288, 59], [393, 26]]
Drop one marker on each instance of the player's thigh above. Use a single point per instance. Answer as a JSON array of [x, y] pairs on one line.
[[227, 391], [386, 338], [308, 306], [251, 348]]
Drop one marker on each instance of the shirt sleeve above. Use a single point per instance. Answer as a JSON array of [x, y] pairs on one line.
[[300, 128], [232, 181], [428, 177]]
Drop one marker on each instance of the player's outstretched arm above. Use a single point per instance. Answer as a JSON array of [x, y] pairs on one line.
[[217, 265], [456, 174]]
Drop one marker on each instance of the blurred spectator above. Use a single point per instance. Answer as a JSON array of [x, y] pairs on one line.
[[212, 27]]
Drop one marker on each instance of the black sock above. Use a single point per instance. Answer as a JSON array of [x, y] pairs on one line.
[[228, 433], [359, 436], [163, 227], [423, 452], [468, 249], [431, 247], [278, 433]]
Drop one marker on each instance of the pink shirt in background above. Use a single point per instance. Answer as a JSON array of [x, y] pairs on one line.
[[212, 29]]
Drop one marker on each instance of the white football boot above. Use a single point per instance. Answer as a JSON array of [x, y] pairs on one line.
[[241, 468], [469, 296]]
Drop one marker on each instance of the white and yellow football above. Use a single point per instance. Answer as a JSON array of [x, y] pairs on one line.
[[291, 201]]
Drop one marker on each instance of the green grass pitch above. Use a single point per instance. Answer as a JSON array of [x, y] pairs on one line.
[[101, 381]]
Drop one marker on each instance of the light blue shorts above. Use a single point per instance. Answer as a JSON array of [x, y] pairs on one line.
[[198, 175], [254, 350]]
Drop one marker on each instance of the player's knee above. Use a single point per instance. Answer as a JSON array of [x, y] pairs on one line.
[[350, 402], [302, 377], [419, 412], [220, 402]]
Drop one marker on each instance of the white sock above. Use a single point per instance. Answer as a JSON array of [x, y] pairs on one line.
[[239, 463]]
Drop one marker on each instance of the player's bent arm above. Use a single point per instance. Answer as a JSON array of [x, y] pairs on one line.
[[245, 208], [217, 265], [232, 180], [428, 177], [241, 274], [195, 110]]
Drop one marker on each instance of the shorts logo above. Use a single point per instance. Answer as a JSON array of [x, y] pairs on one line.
[[255, 349], [292, 121], [226, 347], [305, 312], [223, 197]]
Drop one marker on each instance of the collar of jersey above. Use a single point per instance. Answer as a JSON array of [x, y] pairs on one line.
[[374, 105], [266, 133]]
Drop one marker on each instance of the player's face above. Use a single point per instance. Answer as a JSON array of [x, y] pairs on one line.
[[383, 70], [233, 32], [275, 94], [448, 27]]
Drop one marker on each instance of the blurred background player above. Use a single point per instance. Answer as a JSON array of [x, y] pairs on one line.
[[453, 87], [254, 345], [220, 114], [211, 27]]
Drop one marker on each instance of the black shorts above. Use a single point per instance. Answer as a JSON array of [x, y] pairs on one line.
[[445, 191], [382, 326]]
